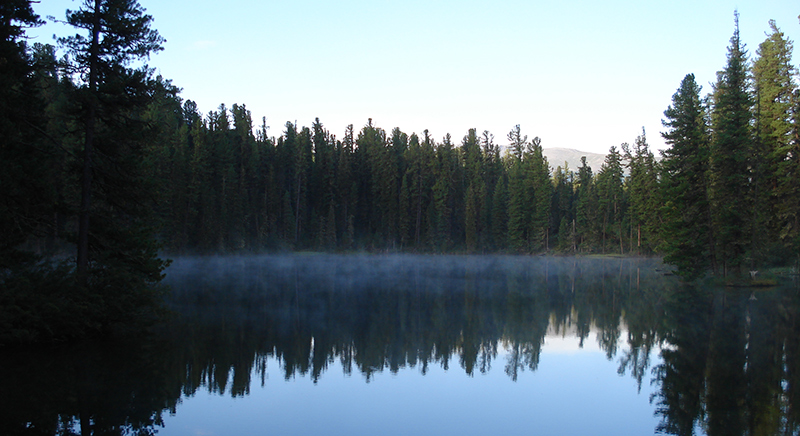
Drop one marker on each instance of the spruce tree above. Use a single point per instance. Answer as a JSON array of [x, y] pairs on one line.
[[641, 186], [493, 169], [561, 209], [540, 191], [686, 233], [610, 197], [443, 196], [346, 195], [321, 185], [519, 192], [500, 213], [303, 161], [475, 193], [586, 208], [777, 199], [731, 194]]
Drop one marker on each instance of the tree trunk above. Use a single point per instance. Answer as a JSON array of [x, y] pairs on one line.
[[639, 238], [86, 177]]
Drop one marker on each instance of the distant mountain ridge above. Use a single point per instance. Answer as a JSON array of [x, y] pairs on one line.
[[557, 156]]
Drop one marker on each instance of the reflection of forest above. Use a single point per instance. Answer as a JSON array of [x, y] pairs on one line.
[[376, 313], [728, 362]]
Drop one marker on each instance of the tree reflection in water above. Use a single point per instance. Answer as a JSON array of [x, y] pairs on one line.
[[724, 363]]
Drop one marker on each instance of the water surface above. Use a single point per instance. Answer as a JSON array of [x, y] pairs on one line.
[[400, 344]]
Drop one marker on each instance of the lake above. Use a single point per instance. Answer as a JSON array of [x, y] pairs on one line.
[[401, 344]]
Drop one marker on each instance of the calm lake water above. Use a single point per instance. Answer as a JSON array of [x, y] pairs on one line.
[[401, 344]]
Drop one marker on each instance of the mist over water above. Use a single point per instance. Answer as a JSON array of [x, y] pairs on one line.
[[376, 312], [400, 344]]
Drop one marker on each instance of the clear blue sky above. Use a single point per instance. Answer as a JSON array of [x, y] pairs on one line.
[[578, 74]]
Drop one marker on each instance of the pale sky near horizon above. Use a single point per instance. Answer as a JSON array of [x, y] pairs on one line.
[[579, 74]]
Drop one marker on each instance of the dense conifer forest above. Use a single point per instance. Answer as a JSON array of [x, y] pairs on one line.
[[104, 165]]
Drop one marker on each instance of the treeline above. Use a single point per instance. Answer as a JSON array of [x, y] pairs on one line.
[[230, 189]]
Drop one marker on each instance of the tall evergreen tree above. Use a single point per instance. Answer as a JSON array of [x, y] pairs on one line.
[[519, 192], [541, 191], [493, 170], [443, 210], [476, 190], [586, 208], [303, 162], [687, 238], [642, 185], [420, 164], [118, 32], [516, 142], [346, 195], [610, 197], [731, 195], [561, 208], [321, 188], [776, 169]]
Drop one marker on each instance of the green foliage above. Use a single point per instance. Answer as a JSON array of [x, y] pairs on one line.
[[529, 194], [687, 228], [729, 193], [541, 188], [586, 209], [731, 196], [562, 210], [777, 174], [83, 154], [475, 203], [500, 213], [642, 187], [611, 199]]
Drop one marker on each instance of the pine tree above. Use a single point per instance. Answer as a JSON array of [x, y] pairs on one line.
[[285, 152], [610, 197], [475, 195], [519, 192], [118, 32], [776, 172], [686, 234], [268, 191], [540, 195], [516, 142], [303, 161], [641, 186], [442, 222], [586, 208], [346, 195], [731, 194], [493, 170], [321, 184], [500, 213], [420, 163], [562, 206]]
